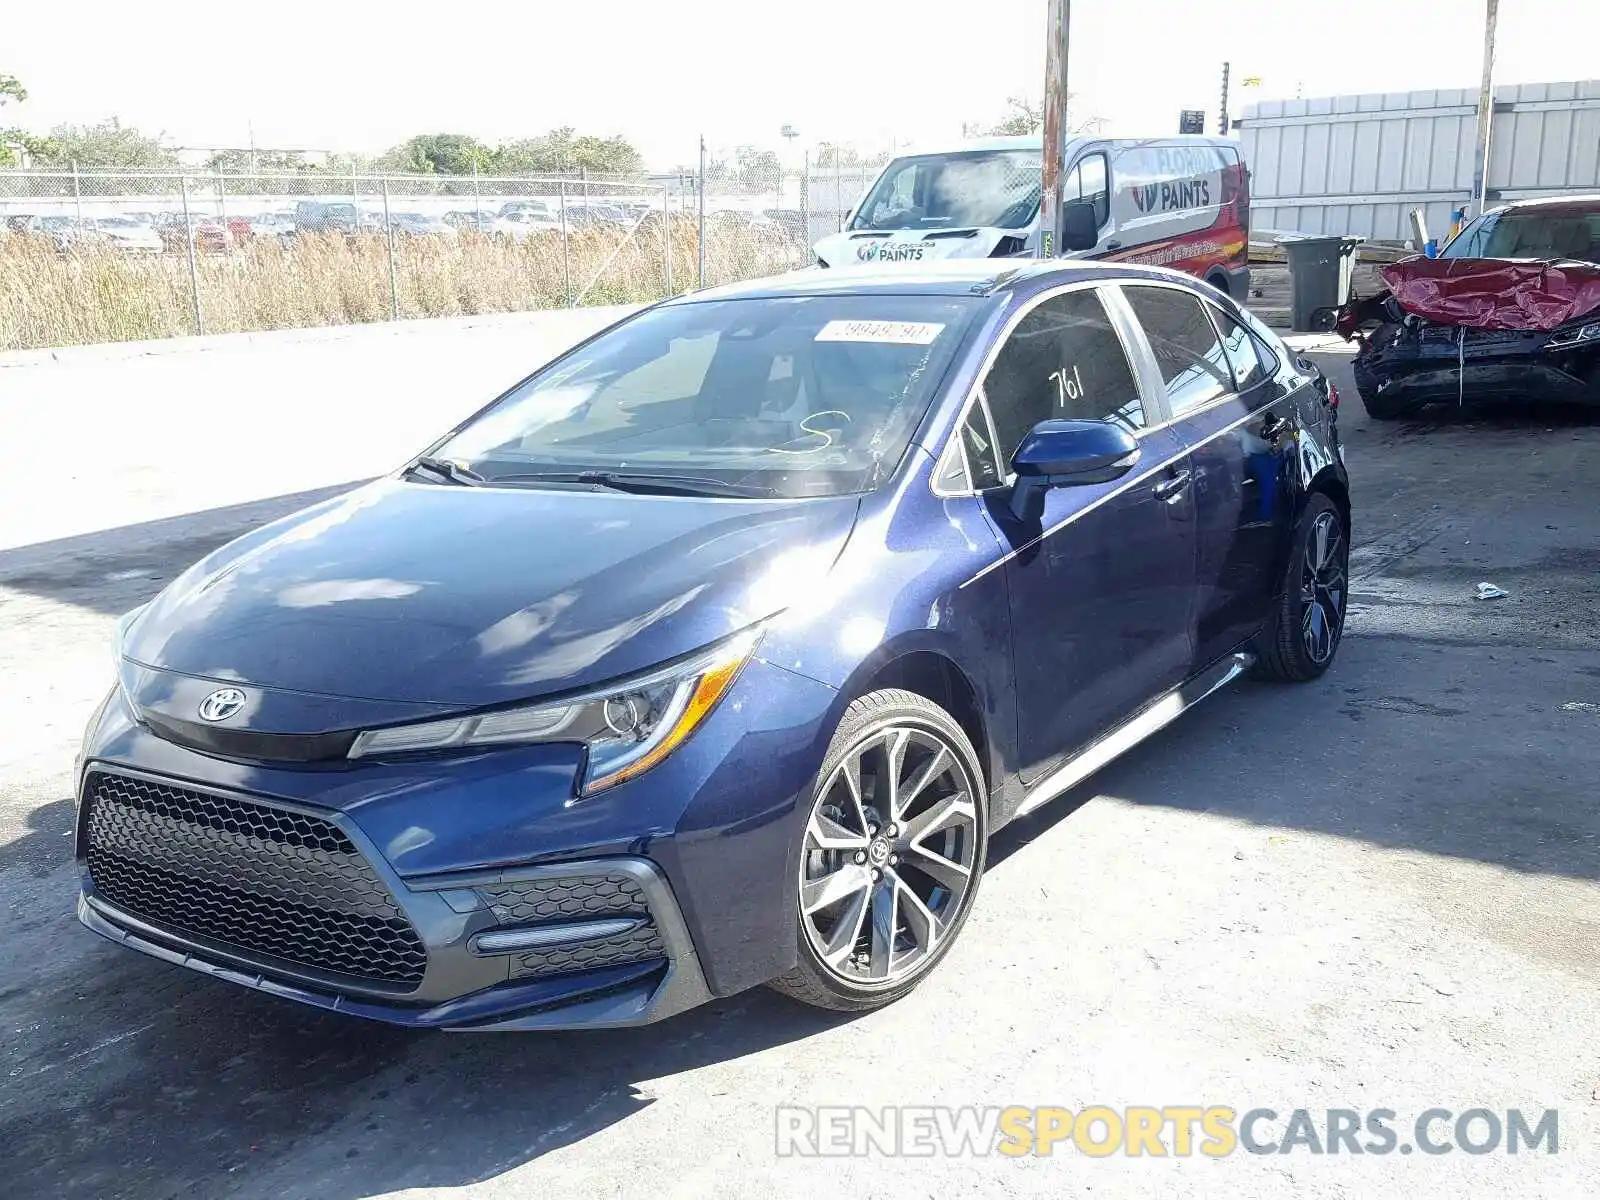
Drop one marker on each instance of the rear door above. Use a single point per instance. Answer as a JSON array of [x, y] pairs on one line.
[[1239, 427], [1099, 588]]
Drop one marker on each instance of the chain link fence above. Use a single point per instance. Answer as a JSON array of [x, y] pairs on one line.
[[97, 256]]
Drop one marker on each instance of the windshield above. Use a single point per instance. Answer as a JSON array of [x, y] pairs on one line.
[[993, 188], [805, 396], [1569, 232]]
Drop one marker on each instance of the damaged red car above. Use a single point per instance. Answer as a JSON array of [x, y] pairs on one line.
[[1509, 311]]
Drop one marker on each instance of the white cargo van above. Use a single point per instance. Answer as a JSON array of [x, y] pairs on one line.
[[1181, 202]]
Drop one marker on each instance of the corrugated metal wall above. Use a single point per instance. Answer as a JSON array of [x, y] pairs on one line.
[[1360, 164]]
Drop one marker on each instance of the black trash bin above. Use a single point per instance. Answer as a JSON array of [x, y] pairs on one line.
[[1320, 271]]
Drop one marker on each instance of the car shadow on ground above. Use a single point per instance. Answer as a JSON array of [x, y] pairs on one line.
[[160, 1083], [113, 570], [211, 1088]]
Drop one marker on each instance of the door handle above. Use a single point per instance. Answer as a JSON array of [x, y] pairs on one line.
[[1272, 426], [1172, 486], [1113, 245]]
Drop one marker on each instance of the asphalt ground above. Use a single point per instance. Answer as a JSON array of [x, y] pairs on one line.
[[1379, 890]]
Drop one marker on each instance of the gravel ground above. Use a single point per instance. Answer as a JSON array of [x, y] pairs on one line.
[[1378, 890]]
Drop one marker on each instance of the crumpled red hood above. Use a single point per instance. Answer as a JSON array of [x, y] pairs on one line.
[[1494, 293]]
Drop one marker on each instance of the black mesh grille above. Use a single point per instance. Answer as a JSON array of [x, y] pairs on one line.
[[634, 946], [566, 899], [578, 898], [266, 881]]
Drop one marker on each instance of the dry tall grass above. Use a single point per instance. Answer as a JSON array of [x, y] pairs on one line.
[[50, 299]]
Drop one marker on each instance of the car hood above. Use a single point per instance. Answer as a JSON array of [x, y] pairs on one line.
[[913, 245], [428, 594], [1495, 293]]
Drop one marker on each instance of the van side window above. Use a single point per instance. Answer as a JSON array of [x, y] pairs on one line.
[[1193, 364], [1063, 361], [1088, 181]]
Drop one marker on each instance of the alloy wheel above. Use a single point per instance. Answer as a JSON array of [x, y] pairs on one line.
[[1322, 588], [889, 856]]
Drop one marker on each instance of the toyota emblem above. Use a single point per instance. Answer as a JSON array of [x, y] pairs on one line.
[[221, 704]]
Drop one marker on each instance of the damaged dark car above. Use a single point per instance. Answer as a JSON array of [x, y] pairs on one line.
[[1509, 311]]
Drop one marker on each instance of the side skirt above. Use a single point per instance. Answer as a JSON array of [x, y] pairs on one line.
[[1135, 729]]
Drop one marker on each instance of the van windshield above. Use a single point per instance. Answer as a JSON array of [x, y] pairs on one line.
[[996, 189]]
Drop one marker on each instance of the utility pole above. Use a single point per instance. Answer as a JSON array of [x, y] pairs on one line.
[[1057, 33], [1480, 156], [1222, 120]]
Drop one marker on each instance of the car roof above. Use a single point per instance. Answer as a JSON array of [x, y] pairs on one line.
[[1557, 204], [943, 277]]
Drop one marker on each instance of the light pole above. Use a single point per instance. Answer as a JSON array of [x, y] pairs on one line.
[[788, 133], [1480, 156], [1057, 33]]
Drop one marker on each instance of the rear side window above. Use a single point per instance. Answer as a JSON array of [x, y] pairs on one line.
[[1244, 355], [1064, 360], [1193, 364]]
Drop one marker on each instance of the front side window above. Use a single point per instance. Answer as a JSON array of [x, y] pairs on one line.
[[1063, 361], [796, 396], [970, 189], [1194, 366], [1087, 181]]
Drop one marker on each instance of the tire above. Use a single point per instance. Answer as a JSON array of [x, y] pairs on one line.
[[925, 876], [1290, 649]]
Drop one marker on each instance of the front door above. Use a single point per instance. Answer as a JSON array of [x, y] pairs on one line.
[[1100, 587]]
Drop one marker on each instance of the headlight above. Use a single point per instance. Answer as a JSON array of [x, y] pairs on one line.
[[628, 726], [1574, 337]]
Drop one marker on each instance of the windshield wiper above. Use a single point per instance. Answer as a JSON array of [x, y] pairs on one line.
[[640, 482], [446, 471]]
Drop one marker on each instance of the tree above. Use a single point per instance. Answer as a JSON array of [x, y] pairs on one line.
[[109, 144], [827, 154], [756, 170], [244, 161], [1027, 117], [562, 151], [438, 154], [13, 139]]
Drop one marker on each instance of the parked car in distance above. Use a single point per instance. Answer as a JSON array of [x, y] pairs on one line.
[[277, 225], [316, 216], [518, 224], [469, 221], [416, 224], [69, 233], [546, 208], [1508, 313], [713, 652], [129, 235]]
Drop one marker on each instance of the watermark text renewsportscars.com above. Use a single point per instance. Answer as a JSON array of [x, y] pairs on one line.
[[1173, 1130]]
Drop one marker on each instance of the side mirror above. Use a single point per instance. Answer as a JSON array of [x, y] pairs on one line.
[[1066, 454], [1080, 226]]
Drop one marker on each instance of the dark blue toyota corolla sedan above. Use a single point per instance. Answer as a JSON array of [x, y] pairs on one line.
[[712, 653]]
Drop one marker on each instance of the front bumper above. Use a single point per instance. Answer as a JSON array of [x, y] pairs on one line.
[[1431, 366], [695, 859], [198, 877]]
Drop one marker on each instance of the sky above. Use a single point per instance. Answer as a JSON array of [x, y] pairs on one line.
[[872, 73]]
